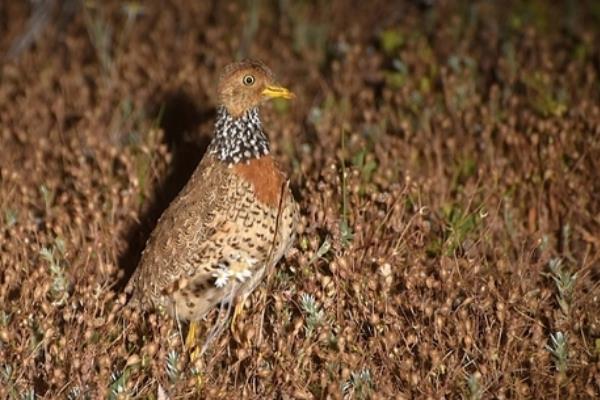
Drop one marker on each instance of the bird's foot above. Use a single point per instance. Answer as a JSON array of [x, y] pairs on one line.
[[190, 339], [239, 308], [194, 353]]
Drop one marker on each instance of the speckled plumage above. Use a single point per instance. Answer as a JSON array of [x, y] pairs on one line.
[[234, 219], [239, 139]]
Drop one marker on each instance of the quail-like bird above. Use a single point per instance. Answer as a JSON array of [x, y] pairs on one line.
[[233, 220]]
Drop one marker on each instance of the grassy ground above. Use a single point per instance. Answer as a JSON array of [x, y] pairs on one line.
[[447, 164]]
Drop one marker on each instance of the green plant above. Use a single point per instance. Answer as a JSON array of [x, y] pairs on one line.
[[4, 318], [391, 40], [345, 229], [475, 390], [315, 317], [565, 282], [558, 348], [365, 165], [359, 386], [76, 393], [118, 385], [100, 34], [460, 225], [10, 217], [322, 251], [48, 196], [172, 367], [59, 290], [543, 97]]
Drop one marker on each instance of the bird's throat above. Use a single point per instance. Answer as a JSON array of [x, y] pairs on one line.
[[238, 139]]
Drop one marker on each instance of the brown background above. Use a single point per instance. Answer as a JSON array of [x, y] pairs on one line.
[[445, 157]]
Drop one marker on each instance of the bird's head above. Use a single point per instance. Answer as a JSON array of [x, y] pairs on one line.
[[246, 84]]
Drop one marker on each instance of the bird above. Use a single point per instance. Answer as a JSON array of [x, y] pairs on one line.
[[234, 219]]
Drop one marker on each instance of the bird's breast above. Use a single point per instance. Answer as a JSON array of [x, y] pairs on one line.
[[266, 179]]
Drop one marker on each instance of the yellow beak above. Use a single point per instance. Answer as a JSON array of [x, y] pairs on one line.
[[274, 92]]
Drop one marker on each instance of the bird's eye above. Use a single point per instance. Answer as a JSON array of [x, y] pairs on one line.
[[248, 80]]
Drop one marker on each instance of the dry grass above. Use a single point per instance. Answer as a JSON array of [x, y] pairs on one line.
[[447, 163]]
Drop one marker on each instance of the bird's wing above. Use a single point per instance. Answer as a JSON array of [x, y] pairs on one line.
[[195, 215], [201, 249]]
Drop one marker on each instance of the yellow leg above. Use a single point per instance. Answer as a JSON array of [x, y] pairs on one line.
[[190, 339], [194, 349], [237, 311]]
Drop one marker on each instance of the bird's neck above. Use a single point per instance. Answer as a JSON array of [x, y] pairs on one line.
[[238, 139]]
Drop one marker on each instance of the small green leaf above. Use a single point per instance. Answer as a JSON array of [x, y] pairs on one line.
[[391, 40]]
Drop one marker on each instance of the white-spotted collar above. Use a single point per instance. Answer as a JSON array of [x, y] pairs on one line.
[[239, 139]]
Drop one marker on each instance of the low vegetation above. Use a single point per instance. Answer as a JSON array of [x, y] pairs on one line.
[[446, 158]]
